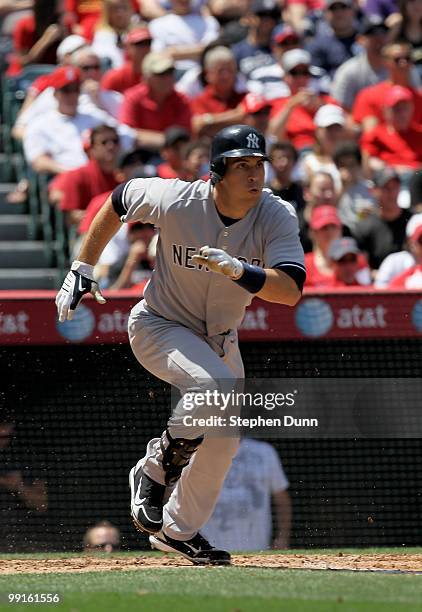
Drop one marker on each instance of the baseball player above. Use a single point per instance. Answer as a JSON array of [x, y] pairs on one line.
[[220, 243]]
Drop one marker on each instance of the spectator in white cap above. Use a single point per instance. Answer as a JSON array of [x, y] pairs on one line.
[[330, 131], [292, 117], [395, 264], [68, 46], [412, 277]]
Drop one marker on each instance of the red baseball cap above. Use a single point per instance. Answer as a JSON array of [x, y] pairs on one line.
[[65, 75], [254, 103], [397, 94], [138, 35], [283, 33], [322, 216]]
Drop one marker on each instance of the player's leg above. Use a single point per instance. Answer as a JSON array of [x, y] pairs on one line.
[[196, 493], [182, 358]]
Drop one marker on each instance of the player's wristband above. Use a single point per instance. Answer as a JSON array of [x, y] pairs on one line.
[[83, 268], [252, 279]]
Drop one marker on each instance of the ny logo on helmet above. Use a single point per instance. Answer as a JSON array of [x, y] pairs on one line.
[[252, 141]]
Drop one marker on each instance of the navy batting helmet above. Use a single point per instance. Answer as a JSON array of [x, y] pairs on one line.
[[234, 141]]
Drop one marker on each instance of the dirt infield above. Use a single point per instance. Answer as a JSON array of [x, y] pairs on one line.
[[411, 563]]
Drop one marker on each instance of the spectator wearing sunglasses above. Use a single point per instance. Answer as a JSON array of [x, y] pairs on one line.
[[137, 45], [344, 255], [408, 28], [412, 277], [73, 190], [368, 107]]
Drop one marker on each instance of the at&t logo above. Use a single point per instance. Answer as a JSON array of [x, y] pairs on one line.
[[80, 327], [314, 317]]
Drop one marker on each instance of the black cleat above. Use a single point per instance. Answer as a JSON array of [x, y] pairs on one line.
[[197, 549], [147, 501]]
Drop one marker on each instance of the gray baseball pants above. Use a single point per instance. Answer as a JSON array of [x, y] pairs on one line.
[[188, 361]]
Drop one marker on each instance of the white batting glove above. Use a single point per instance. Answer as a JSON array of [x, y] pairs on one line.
[[79, 281], [218, 260]]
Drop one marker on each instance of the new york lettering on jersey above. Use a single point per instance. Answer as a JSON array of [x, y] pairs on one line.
[[186, 217]]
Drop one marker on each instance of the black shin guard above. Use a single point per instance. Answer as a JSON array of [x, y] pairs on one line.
[[177, 453]]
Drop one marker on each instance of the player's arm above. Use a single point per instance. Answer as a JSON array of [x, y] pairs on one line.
[[135, 200], [270, 284], [281, 288], [102, 229], [80, 280]]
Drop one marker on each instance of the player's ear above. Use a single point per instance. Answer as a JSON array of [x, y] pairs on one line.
[[215, 177]]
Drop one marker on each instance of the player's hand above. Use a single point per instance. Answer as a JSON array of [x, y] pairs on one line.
[[218, 260], [79, 281]]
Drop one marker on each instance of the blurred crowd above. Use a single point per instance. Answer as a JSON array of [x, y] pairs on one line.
[[137, 88]]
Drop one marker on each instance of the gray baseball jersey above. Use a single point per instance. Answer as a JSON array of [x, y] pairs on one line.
[[186, 216]]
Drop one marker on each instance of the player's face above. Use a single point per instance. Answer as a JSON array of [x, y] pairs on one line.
[[244, 179]]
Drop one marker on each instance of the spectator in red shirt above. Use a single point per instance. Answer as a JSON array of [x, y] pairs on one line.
[[218, 105], [398, 141], [154, 105], [345, 257], [368, 107], [130, 165], [292, 117], [81, 15], [326, 228], [173, 153], [79, 186], [412, 277], [37, 36], [137, 45]]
